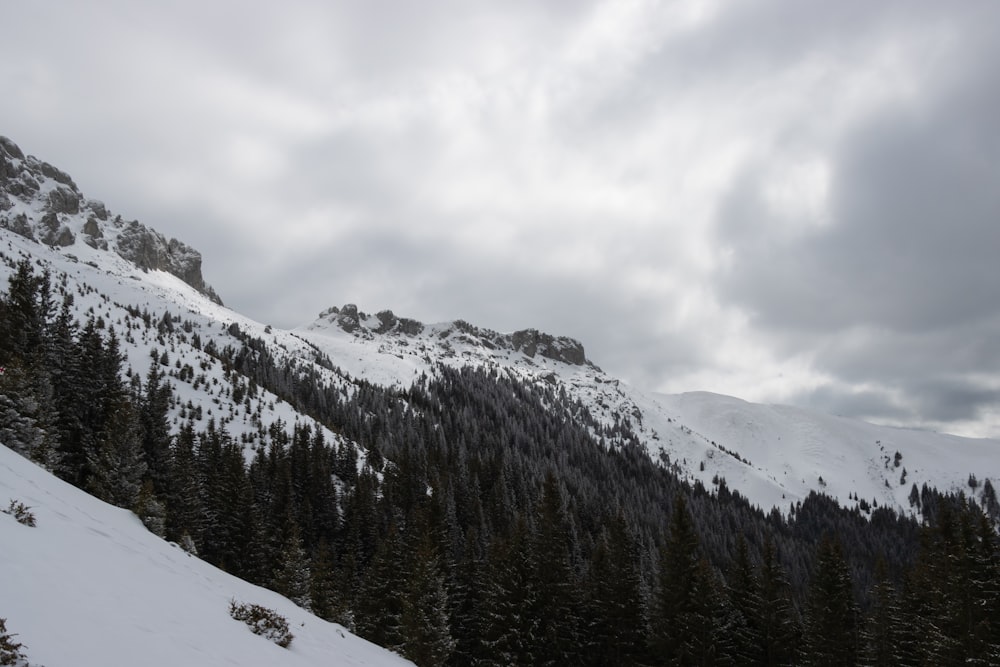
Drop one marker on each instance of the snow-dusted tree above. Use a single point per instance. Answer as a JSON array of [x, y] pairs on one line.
[[150, 510], [292, 578], [831, 629], [615, 629], [424, 624], [118, 466], [10, 650]]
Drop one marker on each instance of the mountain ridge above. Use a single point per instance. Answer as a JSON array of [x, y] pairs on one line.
[[389, 350]]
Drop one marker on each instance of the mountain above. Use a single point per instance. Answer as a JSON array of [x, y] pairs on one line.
[[774, 455], [426, 484]]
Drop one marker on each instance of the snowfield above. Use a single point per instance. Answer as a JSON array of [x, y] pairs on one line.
[[89, 586]]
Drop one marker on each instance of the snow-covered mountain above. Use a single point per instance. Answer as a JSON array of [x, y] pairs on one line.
[[130, 276], [90, 585], [774, 455]]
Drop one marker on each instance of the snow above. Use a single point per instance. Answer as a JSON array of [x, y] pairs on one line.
[[90, 586], [773, 455]]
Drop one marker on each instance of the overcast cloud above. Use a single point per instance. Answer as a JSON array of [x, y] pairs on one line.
[[783, 201]]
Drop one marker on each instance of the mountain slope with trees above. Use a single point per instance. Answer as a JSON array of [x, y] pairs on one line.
[[472, 504]]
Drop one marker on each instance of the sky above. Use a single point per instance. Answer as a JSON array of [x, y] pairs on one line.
[[784, 201]]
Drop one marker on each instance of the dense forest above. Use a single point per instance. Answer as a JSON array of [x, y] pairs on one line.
[[472, 519]]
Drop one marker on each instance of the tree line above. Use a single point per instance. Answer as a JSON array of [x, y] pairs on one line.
[[475, 519]]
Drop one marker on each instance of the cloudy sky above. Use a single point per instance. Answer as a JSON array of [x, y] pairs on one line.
[[784, 201]]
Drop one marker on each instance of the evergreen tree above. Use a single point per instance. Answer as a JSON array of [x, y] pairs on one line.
[[153, 419], [328, 597], [616, 624], [744, 590], [777, 624], [831, 631], [509, 627], [557, 609], [118, 466], [882, 635], [379, 609], [424, 623], [293, 577], [678, 610]]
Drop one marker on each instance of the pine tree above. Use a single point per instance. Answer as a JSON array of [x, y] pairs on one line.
[[677, 611], [118, 466], [328, 595], [882, 636], [557, 609], [777, 624], [153, 419], [379, 613], [744, 590], [509, 627], [831, 632], [424, 623], [184, 511], [293, 577], [616, 624]]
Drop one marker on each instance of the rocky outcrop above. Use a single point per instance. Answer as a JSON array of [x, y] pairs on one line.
[[61, 208], [51, 231], [561, 348], [529, 342], [150, 250], [64, 200]]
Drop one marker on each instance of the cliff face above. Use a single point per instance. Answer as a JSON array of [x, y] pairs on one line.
[[42, 203]]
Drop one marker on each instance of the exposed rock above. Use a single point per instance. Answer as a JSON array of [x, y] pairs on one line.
[[49, 171], [386, 321], [53, 232], [347, 319], [410, 327], [62, 200], [10, 148], [532, 342], [98, 209], [148, 249], [93, 236], [19, 225], [91, 228]]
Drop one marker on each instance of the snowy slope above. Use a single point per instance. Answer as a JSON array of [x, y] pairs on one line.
[[90, 586], [772, 455]]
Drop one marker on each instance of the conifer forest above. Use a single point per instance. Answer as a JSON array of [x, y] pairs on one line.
[[472, 519]]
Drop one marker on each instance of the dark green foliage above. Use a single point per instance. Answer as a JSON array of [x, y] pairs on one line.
[[615, 609], [262, 621], [293, 578], [467, 520], [831, 628], [10, 650], [883, 634]]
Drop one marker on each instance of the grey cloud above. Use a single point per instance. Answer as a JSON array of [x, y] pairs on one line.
[[914, 204]]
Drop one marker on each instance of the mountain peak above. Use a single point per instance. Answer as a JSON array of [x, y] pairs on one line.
[[42, 203], [385, 323]]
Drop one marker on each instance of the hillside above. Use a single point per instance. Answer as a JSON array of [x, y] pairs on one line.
[[90, 585], [124, 272], [463, 496]]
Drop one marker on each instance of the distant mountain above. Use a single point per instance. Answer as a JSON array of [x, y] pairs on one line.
[[773, 455]]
